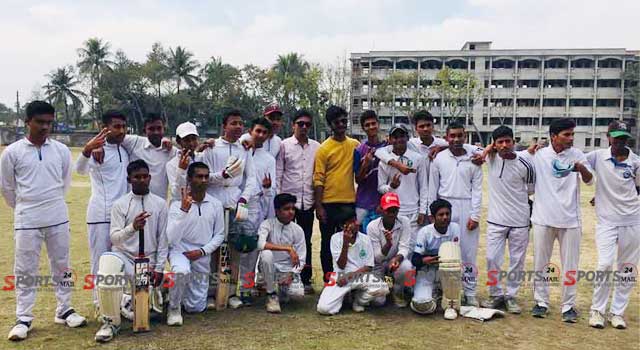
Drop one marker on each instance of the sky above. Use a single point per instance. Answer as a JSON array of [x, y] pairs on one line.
[[39, 36]]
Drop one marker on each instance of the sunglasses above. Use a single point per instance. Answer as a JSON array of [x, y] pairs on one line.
[[303, 124]]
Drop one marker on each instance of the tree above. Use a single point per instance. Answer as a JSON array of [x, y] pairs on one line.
[[155, 70], [94, 61], [459, 92], [402, 86], [336, 82], [61, 88], [288, 75], [181, 65]]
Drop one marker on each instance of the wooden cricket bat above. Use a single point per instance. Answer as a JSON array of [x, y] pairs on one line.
[[224, 268], [141, 289]]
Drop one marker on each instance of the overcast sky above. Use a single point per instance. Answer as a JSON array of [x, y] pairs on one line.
[[38, 36]]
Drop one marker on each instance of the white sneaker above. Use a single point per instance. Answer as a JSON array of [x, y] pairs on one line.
[[19, 331], [273, 304], [356, 306], [174, 317], [71, 318], [235, 302], [617, 321], [106, 332], [596, 320], [450, 314]]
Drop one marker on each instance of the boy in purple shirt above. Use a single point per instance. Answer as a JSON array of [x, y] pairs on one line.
[[366, 169]]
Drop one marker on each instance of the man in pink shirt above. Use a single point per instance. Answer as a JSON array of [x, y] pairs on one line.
[[294, 172]]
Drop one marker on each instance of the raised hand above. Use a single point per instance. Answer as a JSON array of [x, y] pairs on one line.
[[183, 163], [187, 200], [140, 220], [96, 142], [266, 181]]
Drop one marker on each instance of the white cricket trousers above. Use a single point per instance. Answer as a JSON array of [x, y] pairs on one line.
[[191, 282], [289, 282], [366, 288], [543, 240], [626, 241], [460, 214], [28, 244], [497, 238], [401, 277], [99, 243]]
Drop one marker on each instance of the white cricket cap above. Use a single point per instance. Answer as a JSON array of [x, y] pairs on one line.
[[186, 129]]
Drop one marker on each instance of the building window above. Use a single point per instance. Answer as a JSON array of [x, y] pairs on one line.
[[596, 142], [587, 142], [472, 47], [473, 64]]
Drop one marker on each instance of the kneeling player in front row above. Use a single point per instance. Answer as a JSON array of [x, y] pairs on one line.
[[391, 239], [353, 262], [437, 258], [138, 214], [282, 247], [195, 230]]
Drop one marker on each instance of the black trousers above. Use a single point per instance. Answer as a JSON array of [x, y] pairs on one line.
[[333, 225], [304, 218]]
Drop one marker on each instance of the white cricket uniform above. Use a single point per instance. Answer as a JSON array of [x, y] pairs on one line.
[[124, 238], [401, 244], [510, 183], [556, 215], [618, 228], [413, 190], [276, 266], [415, 144], [262, 208], [108, 183], [201, 228], [33, 181], [156, 158], [177, 177], [228, 192], [459, 181], [428, 243], [367, 286], [272, 145]]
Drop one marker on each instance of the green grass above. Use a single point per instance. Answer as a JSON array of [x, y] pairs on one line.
[[300, 327]]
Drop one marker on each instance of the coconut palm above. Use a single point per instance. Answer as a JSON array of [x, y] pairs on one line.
[[181, 65], [61, 89], [94, 60]]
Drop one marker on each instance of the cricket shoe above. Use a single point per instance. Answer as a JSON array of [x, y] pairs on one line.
[[570, 316], [617, 321], [126, 307], [174, 317], [107, 332], [273, 304], [450, 314], [596, 319], [71, 319], [235, 302], [399, 300], [493, 302], [308, 289], [19, 331], [512, 306], [356, 306], [539, 311]]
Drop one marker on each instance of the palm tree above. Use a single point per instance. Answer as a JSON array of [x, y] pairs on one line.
[[289, 73], [181, 65], [61, 89], [94, 60]]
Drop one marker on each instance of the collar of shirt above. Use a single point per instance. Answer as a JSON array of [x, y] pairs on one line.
[[465, 156], [148, 144], [397, 225], [225, 142], [620, 164], [46, 142]]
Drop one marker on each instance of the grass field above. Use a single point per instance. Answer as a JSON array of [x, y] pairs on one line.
[[300, 327]]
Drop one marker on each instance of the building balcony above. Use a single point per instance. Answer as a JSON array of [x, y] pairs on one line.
[[380, 73], [553, 111], [529, 74], [609, 92], [502, 74], [428, 74], [555, 73], [529, 93], [582, 73], [528, 112], [609, 73], [611, 112], [557, 92], [502, 93], [580, 111], [581, 92]]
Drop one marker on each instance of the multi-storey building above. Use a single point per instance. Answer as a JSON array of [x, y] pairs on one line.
[[524, 89]]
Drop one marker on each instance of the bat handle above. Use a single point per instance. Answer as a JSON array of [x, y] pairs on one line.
[[141, 242]]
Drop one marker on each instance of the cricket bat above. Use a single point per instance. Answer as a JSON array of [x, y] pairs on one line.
[[224, 268], [141, 289]]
